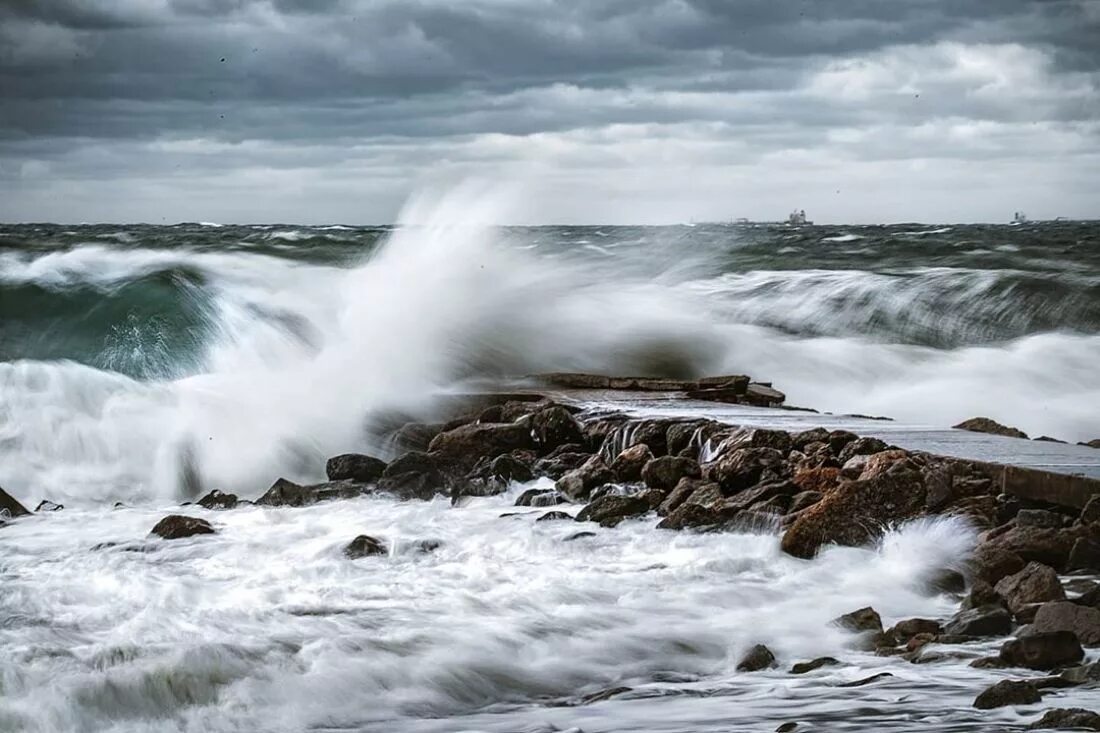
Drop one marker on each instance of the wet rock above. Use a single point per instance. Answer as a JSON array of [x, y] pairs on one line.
[[665, 472], [415, 436], [178, 526], [706, 495], [879, 463], [775, 494], [763, 395], [1090, 597], [981, 594], [678, 496], [983, 621], [985, 425], [354, 467], [866, 680], [860, 621], [804, 667], [1084, 674], [756, 438], [804, 500], [1045, 650], [820, 480], [628, 465], [1036, 583], [1067, 718], [1008, 692], [578, 536], [744, 468], [540, 497], [689, 516], [466, 445], [1091, 513], [992, 563], [9, 505], [557, 465], [364, 546], [288, 493], [1039, 518], [650, 432], [577, 484], [218, 500], [855, 513], [608, 511], [653, 497], [414, 475], [48, 506], [946, 580], [757, 658], [861, 447], [554, 517], [1048, 546], [907, 629], [800, 440], [1083, 621], [690, 435], [1085, 555], [554, 426], [506, 468], [603, 695]]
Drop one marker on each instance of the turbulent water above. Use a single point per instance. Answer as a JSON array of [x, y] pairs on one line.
[[134, 356]]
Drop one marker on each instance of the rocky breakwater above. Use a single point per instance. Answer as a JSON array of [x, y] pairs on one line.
[[812, 489]]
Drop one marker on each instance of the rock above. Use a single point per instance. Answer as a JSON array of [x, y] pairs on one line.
[[665, 472], [985, 425], [1045, 650], [1036, 583], [603, 695], [838, 439], [557, 464], [881, 462], [1083, 621], [1085, 555], [1008, 692], [178, 526], [860, 621], [982, 594], [11, 506], [682, 436], [466, 445], [1048, 546], [505, 468], [1039, 518], [1084, 674], [218, 500], [415, 436], [820, 480], [755, 438], [578, 536], [579, 483], [855, 513], [804, 500], [866, 680], [414, 475], [649, 431], [991, 563], [804, 667], [540, 497], [628, 465], [775, 494], [679, 495], [982, 621], [757, 658], [763, 395], [1065, 718], [706, 495], [1091, 513], [653, 497], [907, 629], [861, 447], [364, 546], [553, 517], [354, 467], [800, 440], [554, 426], [744, 468], [48, 506], [688, 516], [610, 510], [1090, 598], [288, 493]]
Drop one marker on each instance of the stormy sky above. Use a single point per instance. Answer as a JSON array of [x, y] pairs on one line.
[[601, 111]]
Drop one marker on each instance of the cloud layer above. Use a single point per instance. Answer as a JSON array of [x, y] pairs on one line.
[[610, 111]]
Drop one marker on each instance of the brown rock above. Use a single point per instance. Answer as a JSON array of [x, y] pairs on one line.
[[218, 500], [354, 467], [862, 447], [1048, 546], [909, 628], [610, 510], [879, 463], [288, 493], [755, 438], [579, 483], [1085, 555], [982, 621], [363, 546], [1067, 718], [763, 395], [804, 500], [678, 496], [11, 506], [665, 472], [628, 465], [553, 426], [862, 620], [414, 475], [1036, 583], [757, 658], [178, 526], [688, 516], [799, 441], [804, 667], [558, 464], [745, 467], [1083, 621], [464, 446], [991, 562], [1091, 513], [855, 513], [1045, 650], [985, 425], [822, 480], [706, 495], [1008, 692], [540, 497]]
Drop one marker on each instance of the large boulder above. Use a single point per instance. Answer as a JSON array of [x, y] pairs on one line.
[[652, 432], [218, 500], [991, 563], [1085, 555], [757, 658], [9, 504], [467, 444], [743, 468], [611, 509], [777, 493], [690, 516], [755, 438], [1008, 692], [665, 472], [981, 621], [986, 425], [1036, 583], [288, 493], [683, 436], [1043, 650], [354, 467], [628, 465], [1067, 719], [559, 463], [364, 546], [684, 489], [822, 479], [178, 526], [861, 447], [857, 512], [503, 469], [414, 475], [554, 426], [1048, 546], [576, 485], [1083, 621], [540, 498]]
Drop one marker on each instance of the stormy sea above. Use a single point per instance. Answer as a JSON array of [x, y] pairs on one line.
[[142, 366]]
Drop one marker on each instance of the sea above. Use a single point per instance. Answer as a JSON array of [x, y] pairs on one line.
[[140, 364]]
